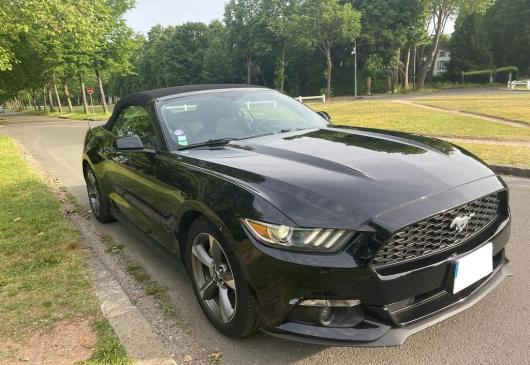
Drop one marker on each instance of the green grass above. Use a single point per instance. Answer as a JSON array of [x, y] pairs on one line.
[[509, 105], [408, 118], [109, 350], [43, 273], [499, 155], [151, 286], [77, 113]]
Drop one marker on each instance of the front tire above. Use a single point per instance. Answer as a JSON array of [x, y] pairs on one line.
[[218, 281], [99, 203]]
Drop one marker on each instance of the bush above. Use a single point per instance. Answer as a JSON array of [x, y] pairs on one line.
[[479, 77], [503, 74], [500, 75]]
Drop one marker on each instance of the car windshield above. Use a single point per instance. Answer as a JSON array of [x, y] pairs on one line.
[[233, 114]]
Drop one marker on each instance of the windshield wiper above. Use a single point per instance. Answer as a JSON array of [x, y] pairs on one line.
[[286, 130], [209, 143]]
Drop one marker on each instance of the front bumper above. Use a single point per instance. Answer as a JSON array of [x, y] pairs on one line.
[[372, 333], [395, 302]]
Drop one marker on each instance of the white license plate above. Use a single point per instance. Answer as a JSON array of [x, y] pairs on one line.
[[471, 268]]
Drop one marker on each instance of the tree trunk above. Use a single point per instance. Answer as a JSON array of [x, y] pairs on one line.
[[50, 98], [35, 100], [328, 73], [83, 94], [59, 106], [406, 70], [280, 82], [369, 85], [102, 92], [32, 95], [441, 17], [68, 99], [249, 69], [45, 102]]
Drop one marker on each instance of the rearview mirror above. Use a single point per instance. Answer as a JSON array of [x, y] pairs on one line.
[[129, 143], [324, 115]]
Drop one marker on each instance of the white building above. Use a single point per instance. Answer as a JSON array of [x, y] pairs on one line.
[[442, 59]]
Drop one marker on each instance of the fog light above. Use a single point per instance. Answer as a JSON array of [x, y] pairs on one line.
[[325, 316]]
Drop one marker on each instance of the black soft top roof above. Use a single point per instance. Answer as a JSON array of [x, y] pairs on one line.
[[144, 97]]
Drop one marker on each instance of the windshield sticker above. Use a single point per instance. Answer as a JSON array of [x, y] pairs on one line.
[[182, 140], [178, 132]]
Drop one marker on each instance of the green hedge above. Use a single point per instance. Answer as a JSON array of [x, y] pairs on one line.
[[500, 75], [504, 72]]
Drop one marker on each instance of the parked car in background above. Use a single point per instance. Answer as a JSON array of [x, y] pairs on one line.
[[2, 110], [288, 223]]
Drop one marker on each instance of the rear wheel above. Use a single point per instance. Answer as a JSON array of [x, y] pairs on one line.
[[218, 281], [99, 203]]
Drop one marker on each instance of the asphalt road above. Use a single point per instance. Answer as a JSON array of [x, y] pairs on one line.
[[496, 330]]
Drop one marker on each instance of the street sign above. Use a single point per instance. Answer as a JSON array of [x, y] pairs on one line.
[[89, 90]]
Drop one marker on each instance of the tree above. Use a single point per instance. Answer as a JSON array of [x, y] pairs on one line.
[[469, 46], [508, 28], [440, 12], [241, 20], [280, 20], [390, 26], [327, 23], [217, 61]]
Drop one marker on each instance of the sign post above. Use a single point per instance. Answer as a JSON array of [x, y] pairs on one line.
[[90, 91]]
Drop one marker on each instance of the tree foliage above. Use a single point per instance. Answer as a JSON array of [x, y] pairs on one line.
[[55, 41], [469, 46], [296, 46], [328, 23]]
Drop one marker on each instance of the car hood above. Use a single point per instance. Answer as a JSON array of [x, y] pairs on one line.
[[341, 177]]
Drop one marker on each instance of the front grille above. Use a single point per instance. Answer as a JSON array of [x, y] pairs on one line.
[[433, 235]]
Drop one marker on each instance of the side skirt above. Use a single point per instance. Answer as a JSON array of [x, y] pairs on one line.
[[149, 241]]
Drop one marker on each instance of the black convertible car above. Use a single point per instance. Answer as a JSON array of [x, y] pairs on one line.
[[288, 223]]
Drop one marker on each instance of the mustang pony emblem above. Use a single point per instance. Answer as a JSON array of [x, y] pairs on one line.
[[461, 222]]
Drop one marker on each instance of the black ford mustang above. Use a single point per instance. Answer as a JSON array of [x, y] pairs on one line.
[[289, 223]]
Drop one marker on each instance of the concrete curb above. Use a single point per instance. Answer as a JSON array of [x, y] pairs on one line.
[[132, 329], [511, 170]]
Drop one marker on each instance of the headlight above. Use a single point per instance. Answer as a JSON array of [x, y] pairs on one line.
[[314, 239]]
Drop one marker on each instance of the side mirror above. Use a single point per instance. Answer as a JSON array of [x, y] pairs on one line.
[[324, 115], [129, 143]]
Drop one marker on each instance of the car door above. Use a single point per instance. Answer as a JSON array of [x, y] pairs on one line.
[[133, 173]]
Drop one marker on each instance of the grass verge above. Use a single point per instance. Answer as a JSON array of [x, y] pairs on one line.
[[150, 286], [43, 273], [409, 118], [77, 113], [109, 350], [498, 154]]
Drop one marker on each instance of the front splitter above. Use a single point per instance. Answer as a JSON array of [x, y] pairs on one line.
[[375, 334]]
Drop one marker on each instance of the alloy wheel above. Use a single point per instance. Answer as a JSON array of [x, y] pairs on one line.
[[93, 195], [214, 277]]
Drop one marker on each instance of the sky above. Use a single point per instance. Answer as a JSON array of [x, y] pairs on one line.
[[173, 12]]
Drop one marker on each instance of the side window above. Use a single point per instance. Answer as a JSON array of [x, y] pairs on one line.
[[135, 120]]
